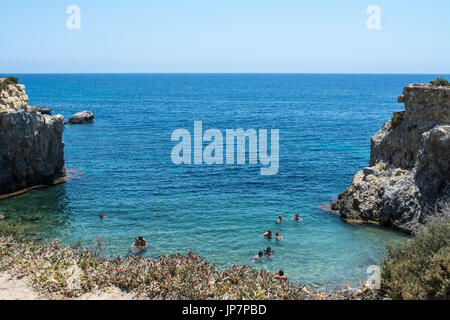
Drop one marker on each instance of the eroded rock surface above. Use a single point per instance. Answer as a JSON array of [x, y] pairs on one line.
[[82, 118], [31, 146], [409, 171]]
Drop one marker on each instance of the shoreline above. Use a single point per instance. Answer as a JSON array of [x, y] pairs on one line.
[[53, 271], [69, 175]]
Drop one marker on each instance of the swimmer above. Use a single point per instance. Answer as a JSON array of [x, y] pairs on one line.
[[267, 235], [278, 236], [102, 216], [297, 217], [280, 219], [259, 257], [268, 252], [140, 243], [280, 275]]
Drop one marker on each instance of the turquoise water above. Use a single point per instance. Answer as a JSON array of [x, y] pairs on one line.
[[325, 124]]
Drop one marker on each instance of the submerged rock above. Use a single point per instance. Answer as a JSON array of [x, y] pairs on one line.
[[409, 173], [82, 118], [31, 146]]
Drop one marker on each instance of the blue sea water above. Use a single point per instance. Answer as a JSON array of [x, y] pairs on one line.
[[218, 211]]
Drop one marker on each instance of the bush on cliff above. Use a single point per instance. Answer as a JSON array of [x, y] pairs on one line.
[[12, 80], [8, 81], [397, 118], [440, 82], [419, 268]]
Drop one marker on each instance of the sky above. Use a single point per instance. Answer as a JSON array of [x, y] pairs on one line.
[[230, 36]]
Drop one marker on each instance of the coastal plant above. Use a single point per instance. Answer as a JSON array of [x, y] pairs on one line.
[[419, 268], [8, 81], [12, 80], [49, 266], [397, 118], [440, 82]]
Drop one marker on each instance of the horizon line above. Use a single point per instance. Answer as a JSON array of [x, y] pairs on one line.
[[231, 73]]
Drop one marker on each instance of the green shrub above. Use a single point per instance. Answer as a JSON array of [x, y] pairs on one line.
[[14, 80], [397, 118], [440, 82], [8, 81], [419, 268]]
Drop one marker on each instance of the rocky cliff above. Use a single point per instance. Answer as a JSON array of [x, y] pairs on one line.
[[31, 146], [408, 177]]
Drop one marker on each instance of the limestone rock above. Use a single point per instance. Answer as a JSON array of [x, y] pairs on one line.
[[31, 146], [409, 171], [82, 118], [43, 110]]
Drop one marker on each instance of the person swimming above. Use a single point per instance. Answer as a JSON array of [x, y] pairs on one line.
[[278, 236], [297, 217], [280, 219], [267, 235], [102, 216], [259, 257], [268, 252], [139, 244], [280, 275]]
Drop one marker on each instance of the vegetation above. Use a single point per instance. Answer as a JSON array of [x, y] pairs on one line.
[[419, 268], [8, 81], [397, 118], [51, 266], [440, 82], [12, 80]]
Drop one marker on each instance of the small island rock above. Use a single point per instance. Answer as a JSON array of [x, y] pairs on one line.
[[82, 118]]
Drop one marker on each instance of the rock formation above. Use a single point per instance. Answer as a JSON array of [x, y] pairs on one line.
[[43, 110], [31, 146], [82, 118], [408, 177]]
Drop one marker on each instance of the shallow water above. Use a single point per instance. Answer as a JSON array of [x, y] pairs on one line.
[[325, 123]]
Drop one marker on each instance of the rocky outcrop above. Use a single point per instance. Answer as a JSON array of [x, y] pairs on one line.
[[31, 146], [82, 118], [43, 110], [408, 176]]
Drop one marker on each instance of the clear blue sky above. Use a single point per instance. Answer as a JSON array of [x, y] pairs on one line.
[[225, 36]]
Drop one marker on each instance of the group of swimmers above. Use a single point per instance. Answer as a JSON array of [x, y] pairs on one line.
[[140, 244], [268, 252]]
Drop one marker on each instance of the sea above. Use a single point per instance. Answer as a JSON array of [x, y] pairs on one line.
[[219, 211]]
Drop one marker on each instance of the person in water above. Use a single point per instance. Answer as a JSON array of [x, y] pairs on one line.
[[278, 236], [267, 235], [280, 275], [140, 243], [102, 216], [280, 219], [268, 252], [259, 257], [297, 217]]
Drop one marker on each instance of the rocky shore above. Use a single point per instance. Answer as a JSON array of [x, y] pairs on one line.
[[31, 146], [408, 176]]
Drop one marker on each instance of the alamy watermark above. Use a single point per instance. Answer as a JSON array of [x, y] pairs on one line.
[[374, 20], [74, 20], [374, 279], [213, 153]]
